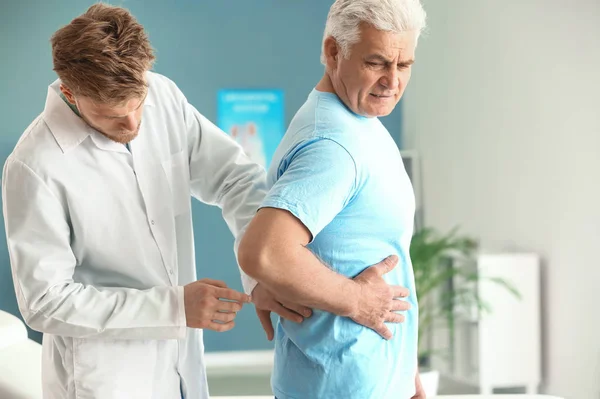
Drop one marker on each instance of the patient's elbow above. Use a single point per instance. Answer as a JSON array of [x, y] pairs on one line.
[[253, 258]]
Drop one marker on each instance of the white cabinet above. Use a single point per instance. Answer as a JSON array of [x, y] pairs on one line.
[[501, 348]]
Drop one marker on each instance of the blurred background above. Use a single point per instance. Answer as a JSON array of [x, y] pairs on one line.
[[500, 130]]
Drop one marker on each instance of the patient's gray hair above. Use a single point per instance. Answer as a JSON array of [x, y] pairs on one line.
[[345, 17]]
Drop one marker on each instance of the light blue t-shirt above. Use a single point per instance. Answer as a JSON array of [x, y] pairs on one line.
[[342, 176]]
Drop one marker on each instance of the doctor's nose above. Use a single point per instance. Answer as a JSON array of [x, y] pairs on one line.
[[130, 123]]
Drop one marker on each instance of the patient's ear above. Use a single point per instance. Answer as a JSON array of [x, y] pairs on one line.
[[331, 51]]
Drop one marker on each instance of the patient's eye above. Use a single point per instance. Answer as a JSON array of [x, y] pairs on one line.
[[375, 64]]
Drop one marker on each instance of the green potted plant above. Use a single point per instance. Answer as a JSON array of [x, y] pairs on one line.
[[446, 283]]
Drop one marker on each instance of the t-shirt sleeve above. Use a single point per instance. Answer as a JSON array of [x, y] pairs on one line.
[[315, 182]]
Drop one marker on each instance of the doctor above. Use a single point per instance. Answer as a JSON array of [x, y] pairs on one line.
[[98, 220]]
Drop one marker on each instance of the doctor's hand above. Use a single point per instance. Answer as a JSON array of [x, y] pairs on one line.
[[265, 303], [210, 304], [378, 301]]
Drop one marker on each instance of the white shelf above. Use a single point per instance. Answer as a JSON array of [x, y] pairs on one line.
[[502, 348]]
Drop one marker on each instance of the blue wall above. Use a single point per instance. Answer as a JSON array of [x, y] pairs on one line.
[[203, 46]]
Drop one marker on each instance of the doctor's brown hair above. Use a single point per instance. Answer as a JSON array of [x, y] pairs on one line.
[[103, 54]]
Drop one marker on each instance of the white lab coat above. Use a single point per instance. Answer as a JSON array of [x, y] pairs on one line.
[[101, 244]]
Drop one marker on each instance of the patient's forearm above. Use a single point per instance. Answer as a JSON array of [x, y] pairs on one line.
[[295, 274]]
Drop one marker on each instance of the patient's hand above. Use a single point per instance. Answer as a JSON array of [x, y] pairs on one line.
[[378, 301], [419, 391], [265, 303]]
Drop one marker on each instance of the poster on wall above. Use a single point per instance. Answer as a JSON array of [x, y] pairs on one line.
[[255, 119]]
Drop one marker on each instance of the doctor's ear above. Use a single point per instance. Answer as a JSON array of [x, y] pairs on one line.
[[332, 51], [67, 93]]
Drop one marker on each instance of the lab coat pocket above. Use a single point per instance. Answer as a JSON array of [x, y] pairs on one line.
[[177, 170], [114, 368]]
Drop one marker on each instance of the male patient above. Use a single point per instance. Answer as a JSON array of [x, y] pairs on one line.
[[340, 196]]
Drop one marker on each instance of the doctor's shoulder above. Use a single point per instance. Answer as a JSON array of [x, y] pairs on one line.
[[33, 141], [37, 149], [164, 91]]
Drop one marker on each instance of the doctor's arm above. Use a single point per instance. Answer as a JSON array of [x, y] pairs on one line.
[[43, 264], [221, 174]]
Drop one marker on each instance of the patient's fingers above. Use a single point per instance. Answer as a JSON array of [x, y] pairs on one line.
[[394, 318], [400, 305], [265, 320], [399, 291], [301, 310], [287, 314]]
